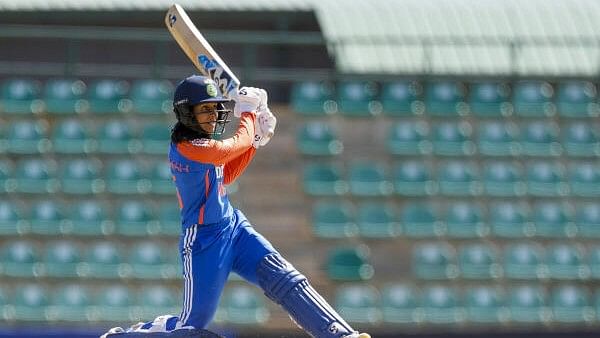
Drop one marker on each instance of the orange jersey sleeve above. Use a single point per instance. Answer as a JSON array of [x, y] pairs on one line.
[[219, 152], [234, 168]]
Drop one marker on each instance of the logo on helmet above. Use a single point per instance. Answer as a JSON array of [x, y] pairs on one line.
[[211, 90]]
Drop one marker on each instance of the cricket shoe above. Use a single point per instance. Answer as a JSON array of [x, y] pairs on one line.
[[358, 335]]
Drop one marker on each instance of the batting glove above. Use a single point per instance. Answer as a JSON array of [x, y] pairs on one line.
[[249, 99]]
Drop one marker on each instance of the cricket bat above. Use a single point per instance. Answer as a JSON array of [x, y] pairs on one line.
[[199, 51]]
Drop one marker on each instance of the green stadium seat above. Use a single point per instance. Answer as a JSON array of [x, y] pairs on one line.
[[533, 99], [135, 218], [546, 179], [503, 179], [70, 303], [148, 261], [357, 99], [368, 179], [452, 139], [157, 300], [245, 306], [420, 220], [30, 303], [318, 138], [441, 305], [28, 137], [376, 220], [445, 99], [587, 219], [576, 99], [81, 177], [495, 138], [510, 220], [7, 173], [552, 219], [103, 259], [584, 179], [484, 305], [161, 179], [170, 219], [20, 259], [89, 218], [334, 219], [358, 304], [349, 264], [464, 220], [65, 96], [109, 96], [156, 138], [540, 138], [313, 98], [117, 137], [458, 178], [324, 179], [399, 304], [126, 177], [401, 98], [413, 178], [71, 136], [12, 219], [526, 304], [61, 259], [581, 139], [489, 99], [593, 262], [20, 96], [571, 304], [152, 96], [434, 260], [524, 261], [113, 304], [478, 261], [408, 138], [565, 261], [47, 217]]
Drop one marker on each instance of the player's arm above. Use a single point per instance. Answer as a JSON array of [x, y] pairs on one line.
[[234, 168]]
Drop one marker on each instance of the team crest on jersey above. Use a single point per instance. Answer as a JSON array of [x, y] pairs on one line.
[[200, 142]]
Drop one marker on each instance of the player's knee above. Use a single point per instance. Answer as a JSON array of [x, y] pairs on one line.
[[277, 277]]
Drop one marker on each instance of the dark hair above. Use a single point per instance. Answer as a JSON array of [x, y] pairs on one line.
[[181, 133]]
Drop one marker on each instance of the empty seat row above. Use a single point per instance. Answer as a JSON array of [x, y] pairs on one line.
[[446, 98], [74, 96]]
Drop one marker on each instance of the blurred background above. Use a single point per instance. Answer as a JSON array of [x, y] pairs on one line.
[[435, 172]]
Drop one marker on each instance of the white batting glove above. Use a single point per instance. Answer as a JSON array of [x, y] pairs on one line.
[[266, 125], [249, 99]]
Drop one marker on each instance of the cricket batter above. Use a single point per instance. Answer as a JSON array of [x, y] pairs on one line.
[[216, 237]]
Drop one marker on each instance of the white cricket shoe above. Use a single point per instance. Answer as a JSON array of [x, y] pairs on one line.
[[358, 335]]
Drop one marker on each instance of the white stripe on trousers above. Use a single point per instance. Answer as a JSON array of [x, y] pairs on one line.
[[190, 236]]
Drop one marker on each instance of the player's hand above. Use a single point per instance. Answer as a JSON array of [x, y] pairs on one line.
[[266, 125], [249, 99]]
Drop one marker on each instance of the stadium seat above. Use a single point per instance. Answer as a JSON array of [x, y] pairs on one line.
[[484, 305], [552, 219], [89, 218], [452, 139], [61, 259], [376, 220], [71, 136], [587, 219], [70, 303], [117, 137], [413, 178], [571, 304], [401, 98], [581, 139], [65, 96], [540, 138], [81, 176], [47, 217], [576, 99], [458, 178], [126, 177], [489, 99], [150, 96], [441, 305], [334, 219], [478, 261], [408, 138], [349, 264], [113, 304], [161, 179], [399, 304], [28, 137], [313, 98], [30, 303], [420, 220], [526, 304], [584, 179], [12, 219], [565, 261], [7, 173], [436, 260], [510, 220], [358, 304], [445, 99], [21, 96], [546, 179], [464, 220], [533, 99], [503, 179], [318, 138], [109, 96], [357, 99], [156, 138], [495, 138], [368, 178], [148, 261], [169, 219], [593, 262], [20, 259], [324, 179], [524, 261], [103, 259], [157, 300], [245, 306], [135, 218]]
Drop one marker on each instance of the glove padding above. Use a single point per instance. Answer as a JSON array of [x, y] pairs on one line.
[[266, 125], [249, 99]]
